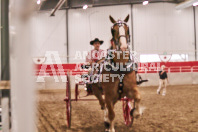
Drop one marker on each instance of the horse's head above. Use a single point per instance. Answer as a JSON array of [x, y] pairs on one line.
[[120, 33]]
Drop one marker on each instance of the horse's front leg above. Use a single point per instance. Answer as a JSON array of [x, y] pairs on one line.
[[137, 98], [98, 93], [111, 114], [106, 120]]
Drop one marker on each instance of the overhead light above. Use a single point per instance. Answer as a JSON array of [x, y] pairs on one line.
[[145, 3], [85, 7], [38, 2], [195, 4]]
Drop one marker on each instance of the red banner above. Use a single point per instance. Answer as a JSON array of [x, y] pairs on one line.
[[151, 67]]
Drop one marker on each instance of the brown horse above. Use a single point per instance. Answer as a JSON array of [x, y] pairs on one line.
[[118, 77]]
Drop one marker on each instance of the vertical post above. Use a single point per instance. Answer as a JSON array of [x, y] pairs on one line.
[[5, 72], [195, 33], [5, 116], [21, 65], [132, 27], [67, 35]]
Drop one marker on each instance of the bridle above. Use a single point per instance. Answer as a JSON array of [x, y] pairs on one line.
[[108, 61], [120, 23]]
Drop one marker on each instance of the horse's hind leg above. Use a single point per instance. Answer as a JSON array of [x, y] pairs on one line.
[[98, 93]]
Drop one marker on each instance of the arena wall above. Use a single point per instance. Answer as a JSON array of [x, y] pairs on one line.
[[179, 73], [196, 21], [49, 34], [152, 32], [167, 30], [160, 27], [86, 25]]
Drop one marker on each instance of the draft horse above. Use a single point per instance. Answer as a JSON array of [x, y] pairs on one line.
[[117, 83]]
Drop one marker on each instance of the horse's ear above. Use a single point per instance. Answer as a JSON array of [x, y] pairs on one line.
[[111, 19], [126, 19]]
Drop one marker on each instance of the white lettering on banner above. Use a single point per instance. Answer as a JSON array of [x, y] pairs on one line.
[[122, 68], [107, 69], [61, 71], [121, 77], [125, 54], [113, 76], [118, 54], [95, 67], [110, 54], [119, 66], [42, 71], [85, 53], [103, 54], [101, 78], [95, 78], [77, 78], [78, 67], [81, 55], [78, 55], [105, 77]]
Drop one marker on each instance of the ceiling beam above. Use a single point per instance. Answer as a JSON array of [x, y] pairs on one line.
[[58, 6], [185, 4]]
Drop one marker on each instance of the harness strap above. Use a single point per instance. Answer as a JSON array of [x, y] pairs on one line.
[[120, 89]]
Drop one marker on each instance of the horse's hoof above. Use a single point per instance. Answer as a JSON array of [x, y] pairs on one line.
[[113, 130], [106, 130], [135, 113], [107, 125]]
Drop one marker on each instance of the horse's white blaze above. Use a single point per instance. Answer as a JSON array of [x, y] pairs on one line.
[[106, 119], [123, 40]]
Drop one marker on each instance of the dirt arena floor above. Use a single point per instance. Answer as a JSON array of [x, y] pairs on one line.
[[175, 112]]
